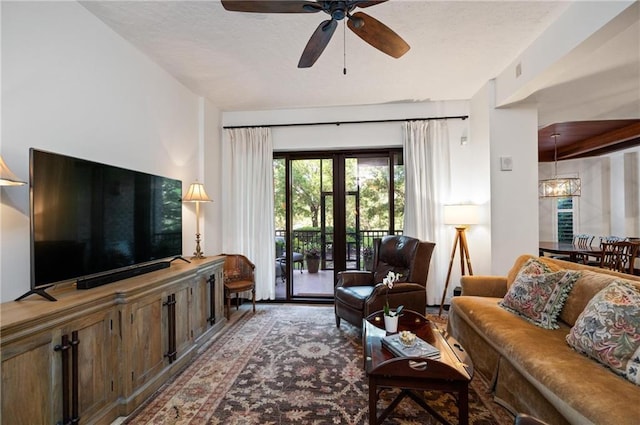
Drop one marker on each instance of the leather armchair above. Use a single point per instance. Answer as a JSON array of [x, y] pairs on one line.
[[360, 293]]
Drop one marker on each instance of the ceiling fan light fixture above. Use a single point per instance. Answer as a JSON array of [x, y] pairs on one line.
[[559, 187]]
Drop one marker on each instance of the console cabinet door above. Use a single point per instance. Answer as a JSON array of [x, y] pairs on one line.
[[201, 308], [183, 337], [152, 323], [31, 380], [219, 289], [98, 366], [144, 344]]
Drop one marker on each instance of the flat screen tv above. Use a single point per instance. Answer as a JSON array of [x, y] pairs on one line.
[[89, 219]]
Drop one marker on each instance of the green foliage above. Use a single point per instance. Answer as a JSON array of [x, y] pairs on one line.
[[374, 198], [366, 178], [305, 190], [279, 193], [312, 253], [171, 190]]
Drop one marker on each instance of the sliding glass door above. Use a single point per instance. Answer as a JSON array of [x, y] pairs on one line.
[[329, 208]]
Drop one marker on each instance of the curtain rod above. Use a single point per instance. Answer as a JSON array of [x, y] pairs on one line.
[[457, 117]]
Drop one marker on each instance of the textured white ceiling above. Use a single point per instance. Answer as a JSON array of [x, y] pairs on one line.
[[243, 61]]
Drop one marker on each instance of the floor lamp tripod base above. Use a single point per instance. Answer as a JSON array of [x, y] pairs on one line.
[[459, 242]]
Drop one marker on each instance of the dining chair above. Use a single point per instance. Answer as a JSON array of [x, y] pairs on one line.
[[595, 259], [610, 239], [582, 241], [619, 256]]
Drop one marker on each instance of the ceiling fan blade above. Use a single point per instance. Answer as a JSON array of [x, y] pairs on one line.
[[272, 6], [377, 34], [317, 43], [369, 3]]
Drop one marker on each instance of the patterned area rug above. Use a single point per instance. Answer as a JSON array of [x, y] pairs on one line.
[[289, 364]]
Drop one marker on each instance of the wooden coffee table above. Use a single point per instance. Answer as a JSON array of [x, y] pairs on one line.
[[451, 373]]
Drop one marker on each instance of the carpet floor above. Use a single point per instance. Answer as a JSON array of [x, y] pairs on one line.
[[289, 364]]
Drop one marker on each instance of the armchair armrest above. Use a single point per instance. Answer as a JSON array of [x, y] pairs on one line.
[[355, 278], [411, 295], [484, 286]]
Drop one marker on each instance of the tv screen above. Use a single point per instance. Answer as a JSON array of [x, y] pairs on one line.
[[89, 218]]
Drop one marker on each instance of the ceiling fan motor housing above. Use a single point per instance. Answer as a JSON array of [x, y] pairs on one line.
[[337, 9]]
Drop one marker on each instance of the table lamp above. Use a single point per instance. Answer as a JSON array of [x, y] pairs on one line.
[[197, 194], [7, 178]]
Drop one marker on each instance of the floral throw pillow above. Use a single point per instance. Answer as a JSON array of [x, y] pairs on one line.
[[539, 297], [608, 329], [533, 266]]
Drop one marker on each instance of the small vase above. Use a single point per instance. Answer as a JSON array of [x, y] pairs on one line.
[[391, 324]]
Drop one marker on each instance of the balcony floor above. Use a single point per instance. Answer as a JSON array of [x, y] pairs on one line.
[[307, 285]]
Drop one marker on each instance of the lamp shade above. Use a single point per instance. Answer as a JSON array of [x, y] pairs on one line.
[[559, 187], [7, 178], [461, 214], [196, 193]]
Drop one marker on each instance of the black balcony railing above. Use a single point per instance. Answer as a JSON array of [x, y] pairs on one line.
[[359, 245]]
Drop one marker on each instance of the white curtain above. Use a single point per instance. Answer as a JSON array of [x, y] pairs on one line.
[[428, 183], [247, 208]]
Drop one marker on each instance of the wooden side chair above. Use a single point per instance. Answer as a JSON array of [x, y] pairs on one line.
[[238, 277]]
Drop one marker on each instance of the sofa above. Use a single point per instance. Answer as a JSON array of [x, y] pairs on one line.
[[534, 370]]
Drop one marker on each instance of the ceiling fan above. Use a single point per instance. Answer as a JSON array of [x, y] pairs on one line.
[[364, 26]]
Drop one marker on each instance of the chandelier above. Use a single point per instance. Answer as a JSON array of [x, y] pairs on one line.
[[558, 187]]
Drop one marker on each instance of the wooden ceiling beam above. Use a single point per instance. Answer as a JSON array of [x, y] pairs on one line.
[[595, 143]]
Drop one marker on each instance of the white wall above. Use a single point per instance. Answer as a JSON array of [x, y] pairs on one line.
[[469, 162], [71, 85], [513, 205], [344, 136], [514, 194], [212, 175], [568, 42], [610, 199]]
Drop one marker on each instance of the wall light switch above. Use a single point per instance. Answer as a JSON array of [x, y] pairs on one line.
[[506, 163]]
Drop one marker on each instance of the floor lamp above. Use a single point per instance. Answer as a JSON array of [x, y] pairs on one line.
[[461, 216], [197, 194]]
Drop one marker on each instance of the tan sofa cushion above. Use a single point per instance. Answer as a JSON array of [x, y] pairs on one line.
[[589, 284]]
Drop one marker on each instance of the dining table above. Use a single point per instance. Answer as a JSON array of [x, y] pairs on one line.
[[574, 252]]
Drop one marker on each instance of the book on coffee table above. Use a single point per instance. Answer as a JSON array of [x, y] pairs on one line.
[[420, 348]]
